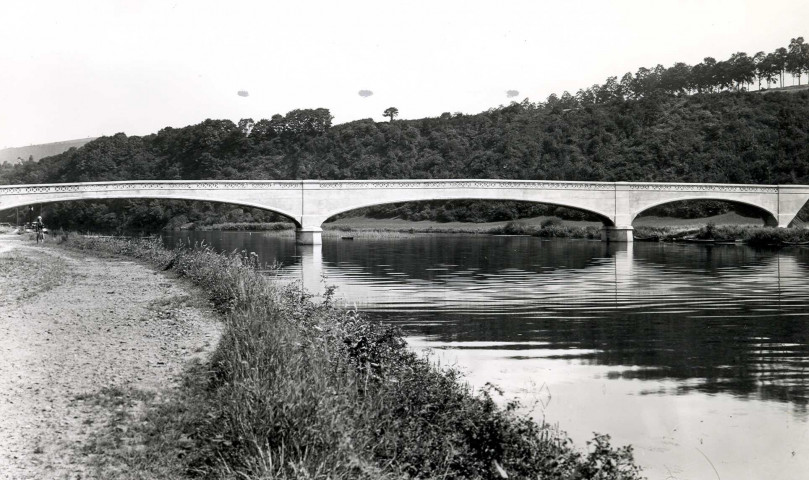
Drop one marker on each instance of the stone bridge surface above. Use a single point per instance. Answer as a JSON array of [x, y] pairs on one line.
[[310, 202]]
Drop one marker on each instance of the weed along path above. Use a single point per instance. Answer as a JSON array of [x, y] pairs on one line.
[[83, 342]]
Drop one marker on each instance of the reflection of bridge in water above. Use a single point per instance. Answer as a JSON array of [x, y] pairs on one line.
[[625, 274], [716, 319], [309, 203]]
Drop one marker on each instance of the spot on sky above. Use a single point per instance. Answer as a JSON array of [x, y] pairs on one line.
[[365, 93], [512, 93], [243, 93]]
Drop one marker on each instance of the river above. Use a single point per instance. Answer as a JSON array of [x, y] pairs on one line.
[[698, 356]]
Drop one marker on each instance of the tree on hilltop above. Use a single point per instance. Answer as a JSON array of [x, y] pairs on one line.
[[780, 56], [391, 112], [797, 60]]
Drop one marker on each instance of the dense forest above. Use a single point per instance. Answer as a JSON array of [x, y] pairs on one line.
[[685, 123]]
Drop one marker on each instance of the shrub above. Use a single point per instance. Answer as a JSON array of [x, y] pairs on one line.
[[552, 222]]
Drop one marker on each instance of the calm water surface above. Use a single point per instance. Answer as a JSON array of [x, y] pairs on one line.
[[695, 355]]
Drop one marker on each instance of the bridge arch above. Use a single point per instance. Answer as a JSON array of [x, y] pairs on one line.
[[191, 198], [605, 219], [770, 217]]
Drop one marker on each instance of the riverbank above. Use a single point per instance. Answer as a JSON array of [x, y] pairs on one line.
[[298, 389], [541, 226], [87, 343], [748, 235]]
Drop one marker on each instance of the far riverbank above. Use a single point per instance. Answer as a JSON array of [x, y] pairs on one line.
[[726, 227], [368, 225]]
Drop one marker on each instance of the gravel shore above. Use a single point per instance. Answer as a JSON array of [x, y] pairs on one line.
[[74, 329]]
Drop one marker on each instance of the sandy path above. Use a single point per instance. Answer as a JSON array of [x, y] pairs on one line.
[[78, 326]]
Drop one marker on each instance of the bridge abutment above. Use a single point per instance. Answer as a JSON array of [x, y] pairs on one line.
[[619, 234]]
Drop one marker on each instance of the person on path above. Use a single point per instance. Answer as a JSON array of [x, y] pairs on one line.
[[39, 228]]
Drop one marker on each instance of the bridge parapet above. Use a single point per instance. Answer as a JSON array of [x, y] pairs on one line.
[[700, 187], [451, 183]]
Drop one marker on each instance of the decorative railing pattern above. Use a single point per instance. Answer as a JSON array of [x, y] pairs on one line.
[[130, 186], [381, 184], [444, 184], [702, 187]]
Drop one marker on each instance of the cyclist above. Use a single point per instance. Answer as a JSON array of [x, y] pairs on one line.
[[39, 228]]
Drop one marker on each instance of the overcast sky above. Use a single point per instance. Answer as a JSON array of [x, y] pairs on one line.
[[74, 69]]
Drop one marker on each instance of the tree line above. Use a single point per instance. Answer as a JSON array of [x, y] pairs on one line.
[[739, 72]]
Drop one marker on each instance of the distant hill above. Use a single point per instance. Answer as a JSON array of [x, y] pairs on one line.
[[18, 154]]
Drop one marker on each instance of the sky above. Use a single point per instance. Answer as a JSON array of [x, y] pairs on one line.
[[85, 68]]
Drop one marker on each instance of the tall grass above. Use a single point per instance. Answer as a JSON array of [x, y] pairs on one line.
[[751, 235], [247, 226], [306, 390], [371, 232], [548, 229]]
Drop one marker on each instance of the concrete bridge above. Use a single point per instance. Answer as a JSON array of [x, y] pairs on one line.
[[309, 203]]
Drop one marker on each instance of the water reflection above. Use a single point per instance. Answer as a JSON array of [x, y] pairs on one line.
[[685, 334]]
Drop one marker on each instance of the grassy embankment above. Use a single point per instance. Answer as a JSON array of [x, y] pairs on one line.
[[369, 227], [738, 229], [755, 236], [301, 389], [749, 235]]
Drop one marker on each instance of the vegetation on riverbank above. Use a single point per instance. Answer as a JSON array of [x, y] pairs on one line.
[[304, 389], [246, 227], [750, 235], [755, 236], [550, 228]]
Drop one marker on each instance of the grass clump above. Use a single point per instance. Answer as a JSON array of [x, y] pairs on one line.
[[306, 390], [550, 228], [246, 227], [385, 232], [755, 236], [751, 235]]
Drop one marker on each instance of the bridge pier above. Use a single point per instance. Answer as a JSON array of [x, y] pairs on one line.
[[618, 234], [309, 236]]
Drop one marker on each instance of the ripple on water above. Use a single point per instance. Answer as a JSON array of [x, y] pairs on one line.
[[677, 342]]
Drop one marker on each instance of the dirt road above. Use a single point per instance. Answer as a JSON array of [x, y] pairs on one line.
[[72, 327]]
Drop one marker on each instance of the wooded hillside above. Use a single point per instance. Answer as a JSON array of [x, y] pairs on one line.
[[726, 137]]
